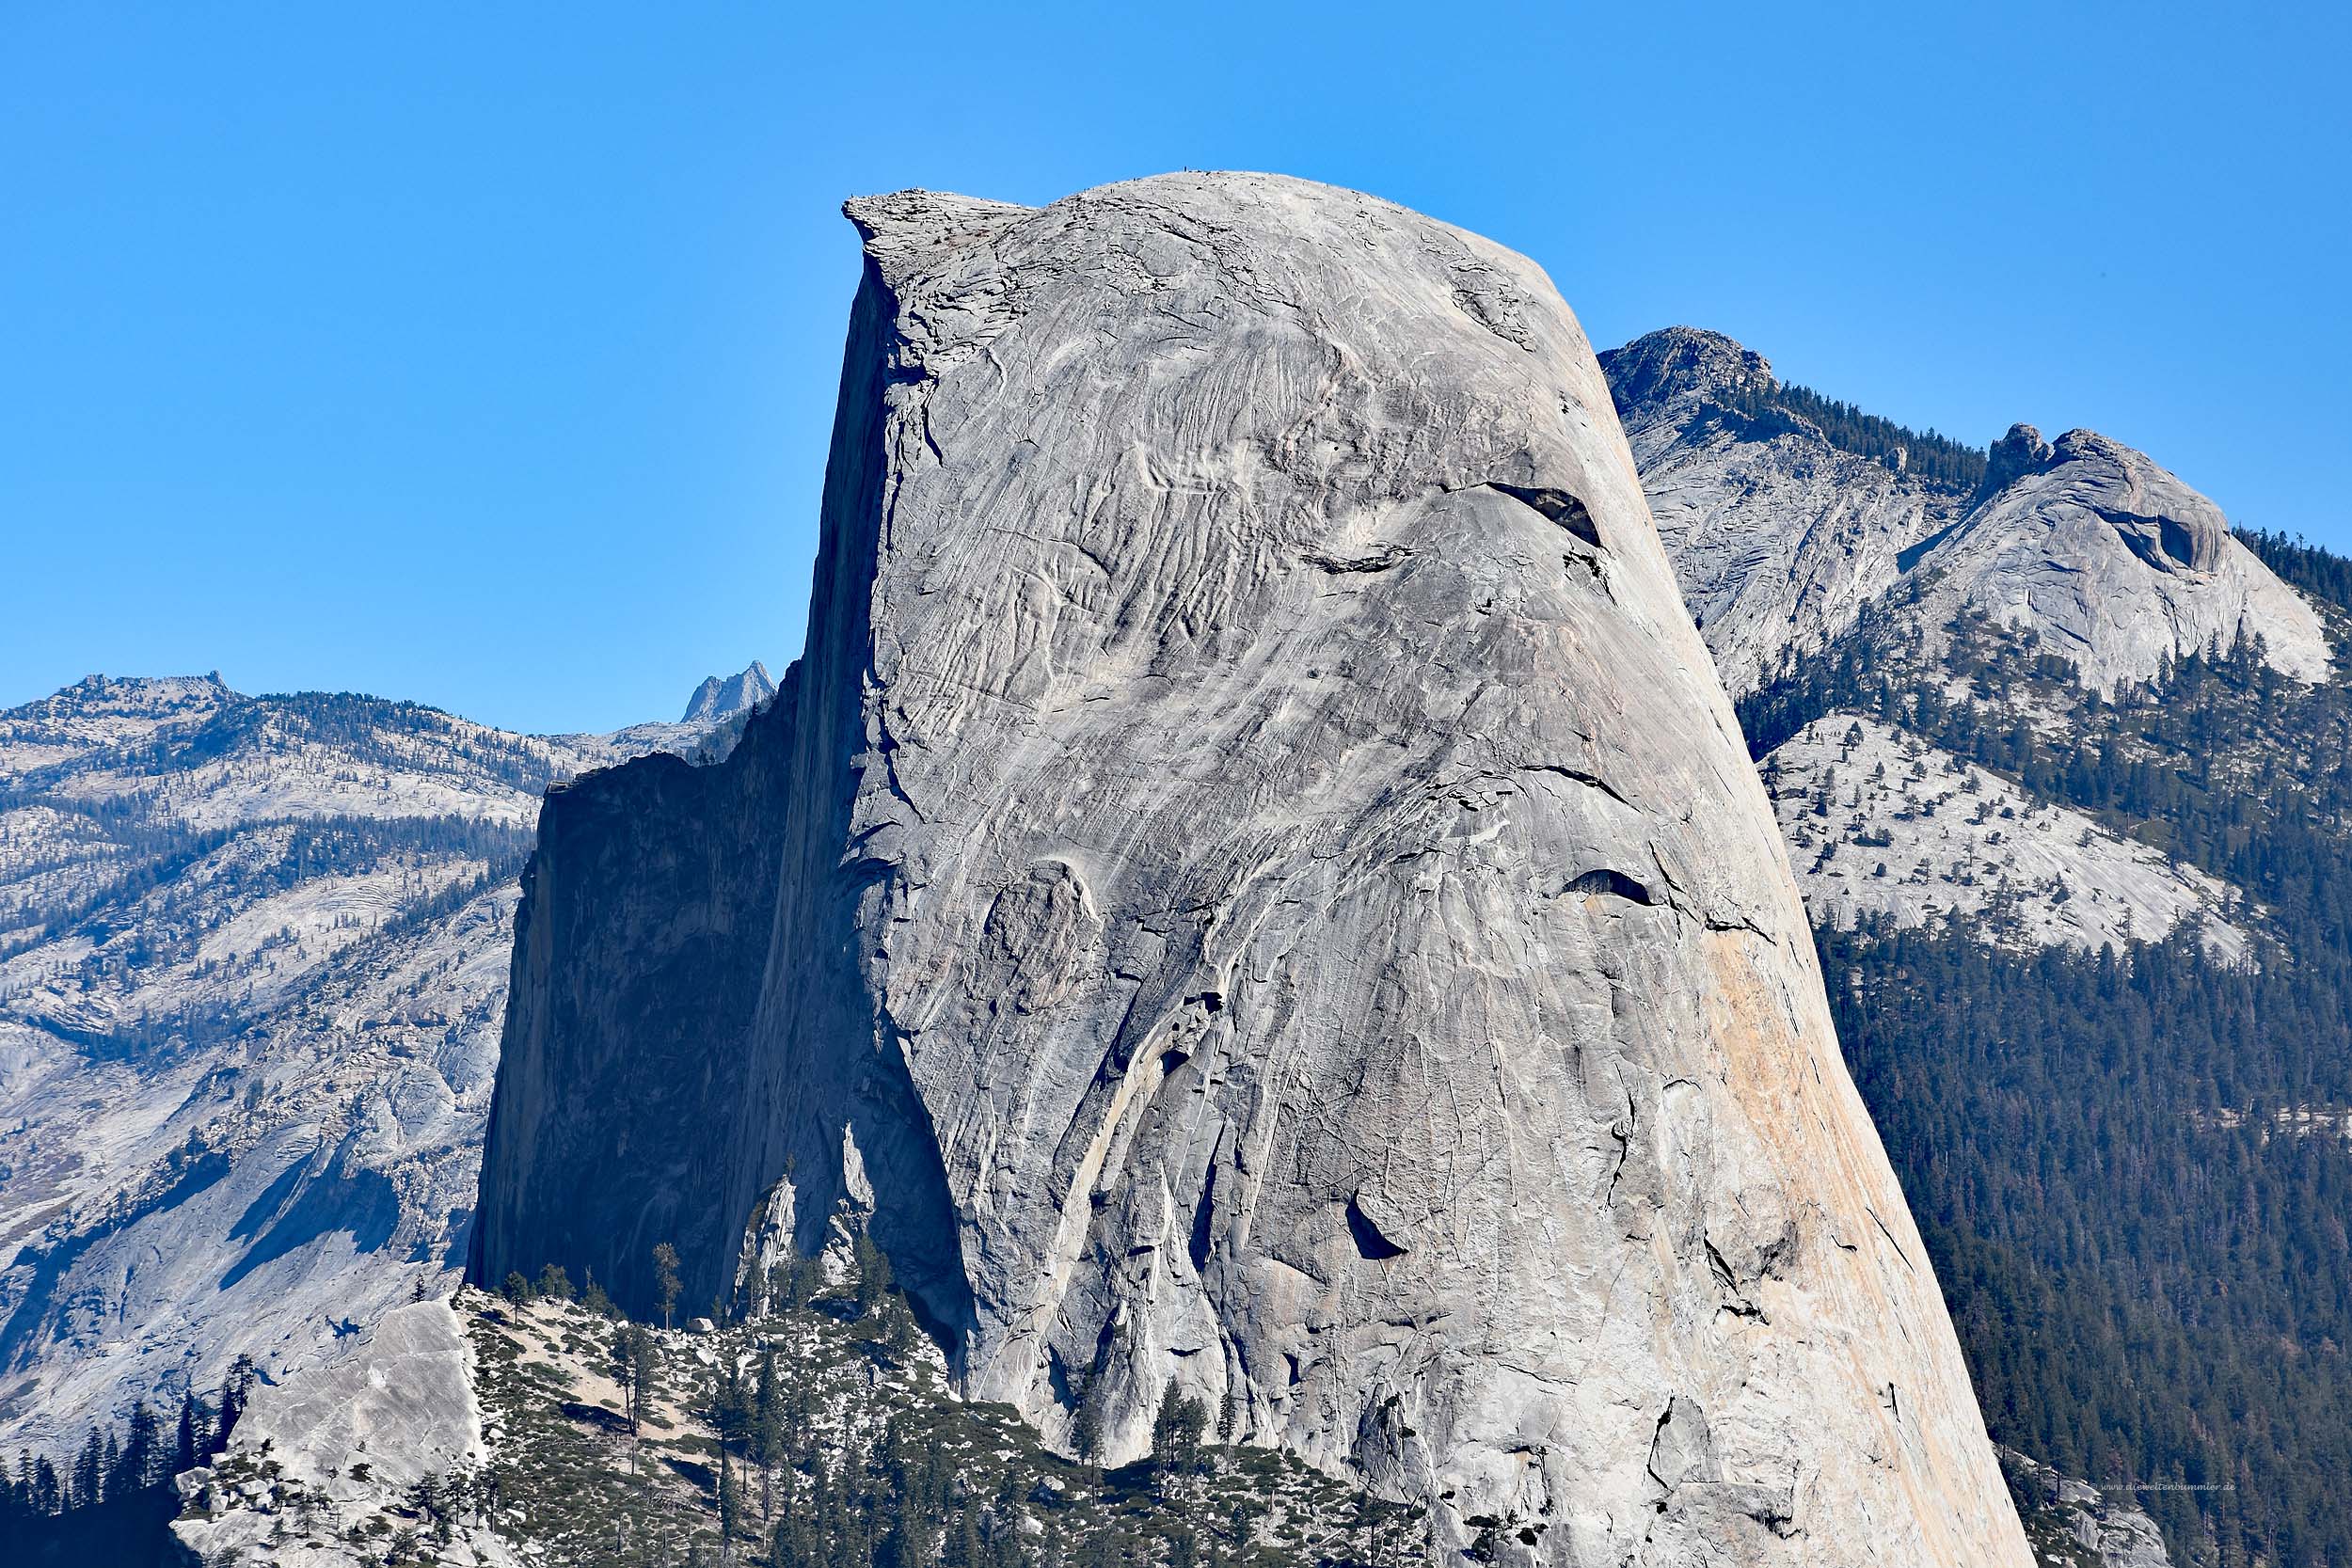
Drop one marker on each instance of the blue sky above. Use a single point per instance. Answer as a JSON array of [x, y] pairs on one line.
[[485, 354]]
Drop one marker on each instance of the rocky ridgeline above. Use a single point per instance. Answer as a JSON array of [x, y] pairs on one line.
[[717, 699], [1778, 536], [1254, 890], [253, 957]]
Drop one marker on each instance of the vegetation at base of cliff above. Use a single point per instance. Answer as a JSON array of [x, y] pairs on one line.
[[822, 1432], [2132, 1168]]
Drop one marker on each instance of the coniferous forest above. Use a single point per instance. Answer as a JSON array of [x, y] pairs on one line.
[[1926, 454], [2133, 1167], [2147, 1269], [110, 1505]]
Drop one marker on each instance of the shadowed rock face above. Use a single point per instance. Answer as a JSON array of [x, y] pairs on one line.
[[638, 953], [1269, 898]]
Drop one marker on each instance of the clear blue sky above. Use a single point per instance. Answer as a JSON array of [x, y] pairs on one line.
[[485, 355]]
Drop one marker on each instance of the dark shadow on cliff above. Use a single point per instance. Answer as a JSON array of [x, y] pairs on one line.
[[688, 1018]]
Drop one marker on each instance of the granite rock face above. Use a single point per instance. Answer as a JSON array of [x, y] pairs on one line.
[[1260, 890], [339, 1446], [2071, 1524], [2116, 564], [624, 1070], [1794, 554]]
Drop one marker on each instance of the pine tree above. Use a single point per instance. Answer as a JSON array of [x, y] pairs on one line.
[[768, 1428], [805, 1281], [794, 1545], [730, 1507], [1176, 1434], [962, 1548], [90, 1469], [1086, 1430], [554, 1284], [184, 1454], [899, 1331], [634, 1358], [48, 1493], [134, 1470], [873, 1275], [234, 1390], [730, 1409], [665, 1280]]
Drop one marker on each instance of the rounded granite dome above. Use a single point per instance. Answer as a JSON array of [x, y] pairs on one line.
[[1270, 902]]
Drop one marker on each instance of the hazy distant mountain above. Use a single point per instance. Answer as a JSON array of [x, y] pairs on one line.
[[716, 700]]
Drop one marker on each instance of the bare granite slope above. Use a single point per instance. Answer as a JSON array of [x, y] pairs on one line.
[[2115, 564], [1777, 537], [1271, 902], [342, 1443], [1879, 822]]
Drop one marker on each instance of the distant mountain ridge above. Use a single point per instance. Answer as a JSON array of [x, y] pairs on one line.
[[1793, 551], [253, 958], [1780, 534]]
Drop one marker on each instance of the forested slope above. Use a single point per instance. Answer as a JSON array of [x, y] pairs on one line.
[[2131, 1164]]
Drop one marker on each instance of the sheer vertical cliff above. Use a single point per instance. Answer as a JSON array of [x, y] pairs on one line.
[[1254, 885], [638, 951]]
